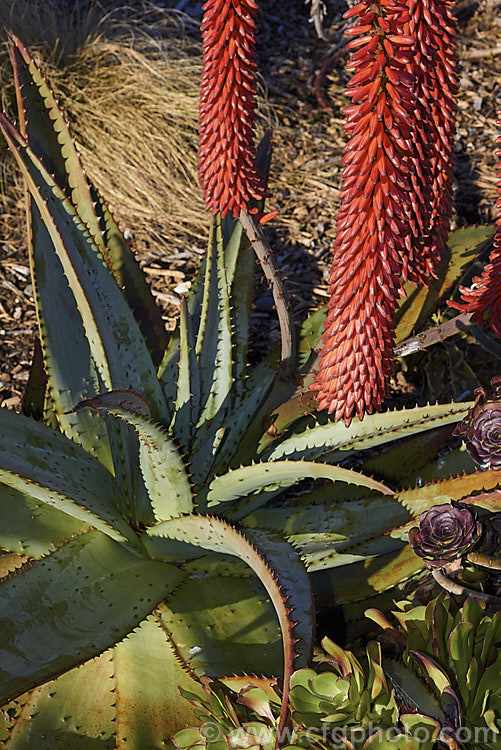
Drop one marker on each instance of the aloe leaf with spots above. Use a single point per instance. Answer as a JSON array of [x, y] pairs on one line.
[[135, 528]]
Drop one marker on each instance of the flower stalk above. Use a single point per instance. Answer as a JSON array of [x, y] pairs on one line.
[[227, 156], [453, 587], [395, 193], [483, 299]]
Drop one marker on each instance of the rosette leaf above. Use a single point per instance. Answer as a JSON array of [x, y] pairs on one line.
[[343, 693]]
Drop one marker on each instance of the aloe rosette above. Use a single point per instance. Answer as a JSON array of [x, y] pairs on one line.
[[137, 547]]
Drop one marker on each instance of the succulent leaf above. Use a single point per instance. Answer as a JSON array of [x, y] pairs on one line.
[[131, 281], [335, 441], [44, 126], [53, 619], [46, 131], [161, 465], [145, 716], [116, 343], [410, 457], [463, 245], [343, 694], [75, 708], [408, 686], [310, 335], [239, 265], [169, 367], [241, 482], [71, 371], [112, 699], [225, 621], [332, 533], [187, 408], [30, 527], [461, 648], [214, 351], [217, 536], [246, 418], [289, 569], [33, 403], [48, 467], [456, 653], [358, 581], [421, 498]]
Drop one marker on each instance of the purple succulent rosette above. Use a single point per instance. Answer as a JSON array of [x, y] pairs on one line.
[[491, 540], [481, 428], [445, 533]]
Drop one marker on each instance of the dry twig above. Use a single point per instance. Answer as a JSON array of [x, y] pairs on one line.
[[433, 335], [267, 260]]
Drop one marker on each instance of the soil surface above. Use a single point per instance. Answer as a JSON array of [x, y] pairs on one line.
[[302, 79]]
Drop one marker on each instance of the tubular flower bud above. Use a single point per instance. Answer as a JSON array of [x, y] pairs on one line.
[[483, 298], [227, 165], [390, 205]]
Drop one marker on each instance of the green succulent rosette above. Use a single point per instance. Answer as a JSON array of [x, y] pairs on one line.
[[343, 693]]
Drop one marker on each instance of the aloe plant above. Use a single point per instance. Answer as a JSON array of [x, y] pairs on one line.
[[139, 548]]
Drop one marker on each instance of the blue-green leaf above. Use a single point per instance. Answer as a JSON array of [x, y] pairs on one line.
[[71, 606]]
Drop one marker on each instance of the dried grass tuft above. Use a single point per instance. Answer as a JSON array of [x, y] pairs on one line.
[[129, 84]]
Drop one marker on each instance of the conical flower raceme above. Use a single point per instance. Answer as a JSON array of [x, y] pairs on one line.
[[433, 67], [483, 298], [227, 164], [390, 226]]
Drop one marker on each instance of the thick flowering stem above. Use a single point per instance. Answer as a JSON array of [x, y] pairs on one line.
[[372, 236], [227, 165], [483, 298], [388, 227]]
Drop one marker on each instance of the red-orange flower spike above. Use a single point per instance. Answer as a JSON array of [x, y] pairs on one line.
[[383, 214], [483, 298], [227, 166], [433, 67]]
